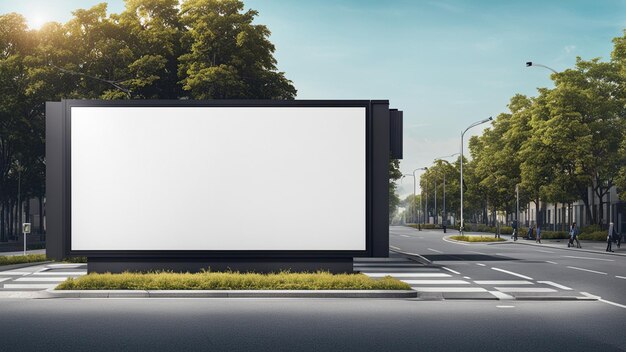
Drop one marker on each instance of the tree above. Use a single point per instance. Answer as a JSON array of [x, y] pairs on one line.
[[394, 175], [154, 49]]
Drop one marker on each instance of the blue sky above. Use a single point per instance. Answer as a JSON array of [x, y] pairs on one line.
[[445, 63]]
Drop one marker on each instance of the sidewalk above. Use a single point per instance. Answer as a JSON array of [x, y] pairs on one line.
[[598, 247]]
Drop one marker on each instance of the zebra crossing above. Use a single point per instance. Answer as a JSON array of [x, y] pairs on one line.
[[39, 277], [436, 282]]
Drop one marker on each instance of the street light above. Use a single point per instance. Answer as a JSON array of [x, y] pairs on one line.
[[530, 63], [445, 220], [421, 204], [415, 183], [463, 134]]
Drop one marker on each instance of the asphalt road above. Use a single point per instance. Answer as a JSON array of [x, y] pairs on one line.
[[308, 325], [590, 273]]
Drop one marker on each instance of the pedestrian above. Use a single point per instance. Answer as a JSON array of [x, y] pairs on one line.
[[514, 234], [610, 238], [573, 233], [538, 235], [529, 235], [497, 229]]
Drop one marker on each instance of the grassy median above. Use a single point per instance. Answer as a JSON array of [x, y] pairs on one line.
[[20, 259], [231, 281], [476, 238]]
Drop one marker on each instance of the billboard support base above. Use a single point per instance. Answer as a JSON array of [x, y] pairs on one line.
[[259, 265]]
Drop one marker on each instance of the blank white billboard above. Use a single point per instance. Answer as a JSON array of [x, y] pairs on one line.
[[218, 178]]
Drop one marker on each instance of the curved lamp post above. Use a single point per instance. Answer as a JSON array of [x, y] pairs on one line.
[[530, 63], [463, 134]]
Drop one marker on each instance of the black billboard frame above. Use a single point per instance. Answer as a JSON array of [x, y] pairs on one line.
[[376, 239]]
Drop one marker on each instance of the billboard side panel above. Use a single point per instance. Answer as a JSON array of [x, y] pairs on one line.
[[55, 192]]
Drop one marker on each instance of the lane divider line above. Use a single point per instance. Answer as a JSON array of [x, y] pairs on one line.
[[587, 270], [450, 270], [589, 295], [551, 262], [562, 287], [620, 277], [480, 264], [512, 273], [434, 250]]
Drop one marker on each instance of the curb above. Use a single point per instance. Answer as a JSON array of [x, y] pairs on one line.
[[51, 293], [22, 265], [577, 249], [414, 256]]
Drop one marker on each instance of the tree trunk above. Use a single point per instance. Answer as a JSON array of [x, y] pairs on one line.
[[41, 229], [2, 230], [537, 217], [556, 206]]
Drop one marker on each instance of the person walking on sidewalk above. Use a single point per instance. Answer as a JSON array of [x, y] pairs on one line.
[[538, 235], [529, 235], [514, 234], [497, 229], [574, 236], [610, 238]]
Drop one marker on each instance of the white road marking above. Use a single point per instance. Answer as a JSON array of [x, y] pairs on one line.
[[501, 295], [505, 306], [555, 285], [5, 279], [434, 250], [394, 247], [407, 274], [476, 252], [512, 273], [435, 282], [542, 251], [405, 236], [449, 289], [591, 271], [547, 261], [602, 300], [455, 242], [480, 264], [571, 256], [65, 266], [467, 277], [20, 286], [503, 282], [41, 279], [525, 289], [14, 273], [450, 270], [620, 277], [66, 273]]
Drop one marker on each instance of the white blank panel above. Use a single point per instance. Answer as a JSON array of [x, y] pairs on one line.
[[209, 178]]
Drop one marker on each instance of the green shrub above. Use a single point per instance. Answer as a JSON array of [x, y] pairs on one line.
[[594, 236], [477, 238], [75, 260], [553, 235], [591, 229], [19, 259], [231, 281]]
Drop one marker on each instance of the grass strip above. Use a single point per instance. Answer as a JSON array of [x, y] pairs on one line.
[[476, 238], [230, 281], [19, 259]]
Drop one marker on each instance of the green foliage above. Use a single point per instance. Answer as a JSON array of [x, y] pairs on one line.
[[394, 175], [154, 49], [20, 259], [231, 281], [477, 239], [75, 260], [594, 236]]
